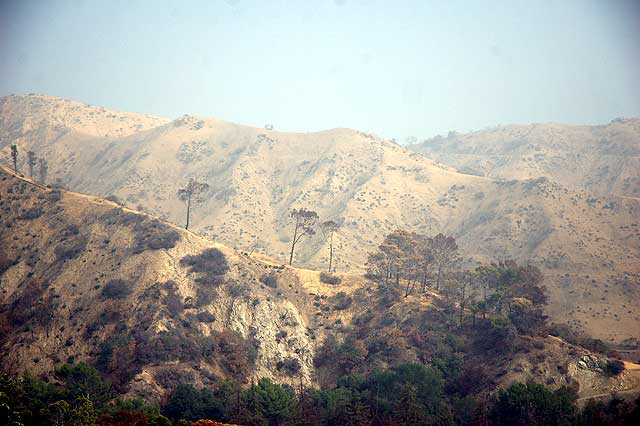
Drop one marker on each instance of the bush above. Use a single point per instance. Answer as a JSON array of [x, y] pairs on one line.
[[330, 278], [342, 301], [30, 214], [270, 280], [171, 377], [70, 249], [211, 264], [289, 365], [154, 235], [116, 289], [206, 317], [54, 195], [615, 367]]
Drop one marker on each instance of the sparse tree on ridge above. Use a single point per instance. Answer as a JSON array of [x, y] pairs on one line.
[[304, 222], [43, 170], [31, 161], [14, 156], [329, 228], [192, 194]]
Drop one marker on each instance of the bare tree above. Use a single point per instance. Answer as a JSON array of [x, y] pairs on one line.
[[192, 193], [445, 253], [43, 170], [329, 228], [31, 161], [304, 222], [14, 156]]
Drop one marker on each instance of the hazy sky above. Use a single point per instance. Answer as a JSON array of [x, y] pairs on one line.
[[395, 68]]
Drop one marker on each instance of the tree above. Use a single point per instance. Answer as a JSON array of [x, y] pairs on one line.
[[425, 258], [31, 161], [192, 194], [328, 229], [44, 170], [14, 156], [83, 381], [187, 402], [304, 222], [396, 256], [533, 404], [270, 401], [445, 253]]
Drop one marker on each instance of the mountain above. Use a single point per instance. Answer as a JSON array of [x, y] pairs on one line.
[[152, 305], [588, 245], [602, 160]]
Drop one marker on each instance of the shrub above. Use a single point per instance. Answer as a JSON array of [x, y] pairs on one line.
[[330, 278], [342, 301], [171, 377], [54, 195], [116, 289], [615, 367], [70, 249], [270, 280], [211, 264], [154, 235], [206, 317], [31, 213], [289, 365]]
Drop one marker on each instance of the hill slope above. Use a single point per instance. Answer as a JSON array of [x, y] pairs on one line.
[[153, 306], [588, 246]]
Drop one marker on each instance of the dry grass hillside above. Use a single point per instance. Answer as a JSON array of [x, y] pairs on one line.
[[152, 305], [598, 159], [588, 246]]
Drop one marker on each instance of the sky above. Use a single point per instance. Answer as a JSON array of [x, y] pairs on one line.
[[393, 68]]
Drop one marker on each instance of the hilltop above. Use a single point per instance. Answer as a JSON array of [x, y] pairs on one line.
[[588, 245], [602, 159]]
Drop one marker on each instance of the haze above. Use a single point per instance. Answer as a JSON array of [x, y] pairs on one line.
[[410, 69]]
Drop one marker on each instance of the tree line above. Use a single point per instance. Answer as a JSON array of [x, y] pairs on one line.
[[502, 289], [405, 395]]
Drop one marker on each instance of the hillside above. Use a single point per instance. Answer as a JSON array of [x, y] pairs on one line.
[[152, 305], [587, 245], [601, 160]]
